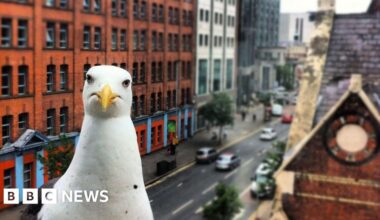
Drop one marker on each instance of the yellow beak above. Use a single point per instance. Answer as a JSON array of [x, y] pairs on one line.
[[106, 97]]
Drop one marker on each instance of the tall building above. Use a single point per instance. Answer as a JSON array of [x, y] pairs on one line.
[[215, 55], [47, 46], [296, 28], [258, 28]]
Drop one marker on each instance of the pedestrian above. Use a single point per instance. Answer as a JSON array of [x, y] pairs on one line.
[[254, 117], [243, 114]]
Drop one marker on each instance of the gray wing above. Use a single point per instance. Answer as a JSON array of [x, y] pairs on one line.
[[31, 211]]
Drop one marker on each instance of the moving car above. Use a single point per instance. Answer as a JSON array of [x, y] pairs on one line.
[[268, 134], [287, 118], [277, 109], [206, 155], [227, 161]]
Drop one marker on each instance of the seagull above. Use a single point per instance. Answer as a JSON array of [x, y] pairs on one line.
[[107, 155]]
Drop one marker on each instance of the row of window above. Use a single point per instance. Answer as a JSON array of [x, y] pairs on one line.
[[203, 66], [7, 33], [7, 123], [6, 80], [28, 174], [218, 18], [218, 41], [51, 33], [157, 69]]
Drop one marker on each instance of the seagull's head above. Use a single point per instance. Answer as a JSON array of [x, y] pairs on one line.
[[107, 92]]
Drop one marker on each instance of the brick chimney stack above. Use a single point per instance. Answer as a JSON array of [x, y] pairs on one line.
[[326, 5]]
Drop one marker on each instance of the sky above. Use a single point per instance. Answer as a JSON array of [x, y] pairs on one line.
[[342, 6]]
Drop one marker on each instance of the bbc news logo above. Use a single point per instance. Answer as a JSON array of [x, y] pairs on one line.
[[53, 196]]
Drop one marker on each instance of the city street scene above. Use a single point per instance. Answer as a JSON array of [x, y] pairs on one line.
[[190, 109]]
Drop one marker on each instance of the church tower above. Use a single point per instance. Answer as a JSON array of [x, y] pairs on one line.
[[325, 5]]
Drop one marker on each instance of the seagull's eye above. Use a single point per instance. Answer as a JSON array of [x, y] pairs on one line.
[[89, 79], [126, 83]]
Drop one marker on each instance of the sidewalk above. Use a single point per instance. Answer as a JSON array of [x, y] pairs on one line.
[[186, 150]]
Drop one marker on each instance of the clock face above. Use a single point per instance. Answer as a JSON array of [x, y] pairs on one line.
[[351, 138]]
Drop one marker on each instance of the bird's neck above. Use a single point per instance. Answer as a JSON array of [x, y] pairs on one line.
[[108, 148]]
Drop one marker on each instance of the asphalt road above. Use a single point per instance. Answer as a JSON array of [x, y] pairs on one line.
[[183, 195]]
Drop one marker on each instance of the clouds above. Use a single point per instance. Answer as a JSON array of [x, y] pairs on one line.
[[343, 6]]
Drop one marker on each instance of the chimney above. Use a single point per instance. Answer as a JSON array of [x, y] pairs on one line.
[[355, 83], [326, 5]]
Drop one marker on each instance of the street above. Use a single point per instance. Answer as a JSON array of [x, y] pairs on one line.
[[183, 195]]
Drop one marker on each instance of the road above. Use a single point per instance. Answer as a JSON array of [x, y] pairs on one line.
[[183, 195]]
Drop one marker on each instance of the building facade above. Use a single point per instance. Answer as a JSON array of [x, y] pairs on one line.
[[258, 28], [215, 55], [47, 46], [296, 28]]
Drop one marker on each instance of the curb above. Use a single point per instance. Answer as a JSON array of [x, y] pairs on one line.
[[162, 178]]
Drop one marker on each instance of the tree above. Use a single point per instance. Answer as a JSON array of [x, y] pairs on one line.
[[59, 157], [225, 206], [218, 112], [285, 76]]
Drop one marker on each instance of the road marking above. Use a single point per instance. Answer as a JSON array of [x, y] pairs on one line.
[[209, 188], [182, 207], [239, 215], [200, 209], [230, 174], [179, 184], [244, 191], [247, 162]]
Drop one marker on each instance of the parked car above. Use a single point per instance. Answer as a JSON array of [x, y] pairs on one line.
[[268, 134], [227, 161], [206, 155], [263, 185], [277, 109], [287, 118]]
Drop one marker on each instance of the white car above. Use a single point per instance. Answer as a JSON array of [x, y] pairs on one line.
[[227, 161], [277, 109], [268, 134]]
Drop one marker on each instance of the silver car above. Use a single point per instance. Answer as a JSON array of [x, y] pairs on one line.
[[227, 161], [206, 155]]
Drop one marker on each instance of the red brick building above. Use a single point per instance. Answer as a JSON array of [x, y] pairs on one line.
[[46, 47]]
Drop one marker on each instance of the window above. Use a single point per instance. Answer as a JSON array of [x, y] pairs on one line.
[[63, 74], [6, 73], [170, 42], [123, 39], [216, 83], [169, 71], [160, 41], [171, 19], [142, 139], [22, 34], [123, 8], [168, 100], [161, 13], [154, 12], [135, 40], [97, 5], [134, 106], [152, 136], [135, 9], [50, 35], [22, 79], [153, 103], [23, 122], [182, 96], [28, 175], [9, 178], [142, 72], [123, 65], [86, 5], [154, 41], [50, 3], [63, 119], [6, 32], [174, 98], [229, 73], [63, 36], [142, 42], [86, 67], [206, 16], [159, 101], [114, 7], [159, 134], [200, 40], [97, 38], [202, 80], [201, 15], [6, 125], [135, 72], [50, 122], [63, 4], [176, 16], [86, 37], [206, 40], [143, 10], [188, 95], [114, 39], [188, 74], [176, 42], [159, 71], [50, 78], [142, 105], [153, 72]]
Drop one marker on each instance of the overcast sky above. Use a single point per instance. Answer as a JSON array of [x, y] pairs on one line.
[[342, 6]]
